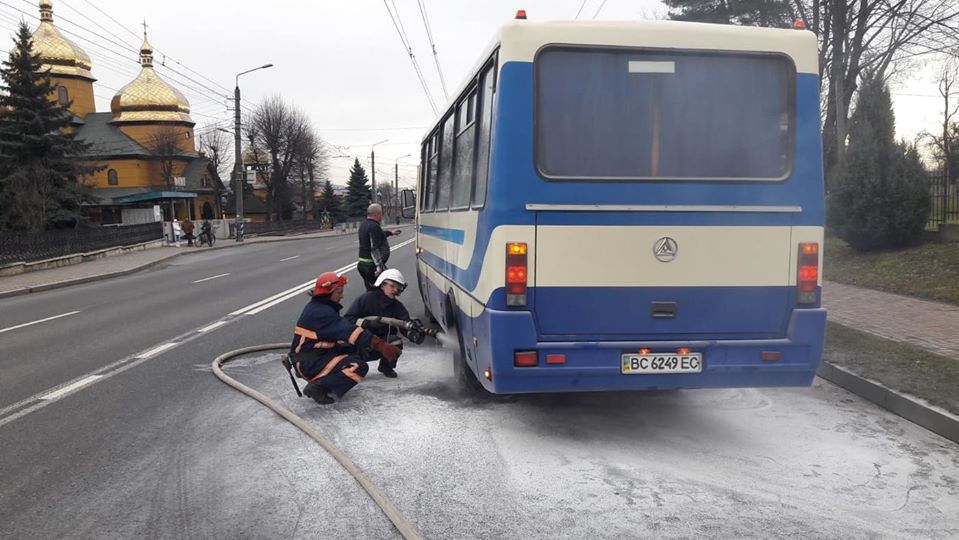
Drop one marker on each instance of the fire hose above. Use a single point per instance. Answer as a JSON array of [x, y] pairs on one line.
[[400, 521]]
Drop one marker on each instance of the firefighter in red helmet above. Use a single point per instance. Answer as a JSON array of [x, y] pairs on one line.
[[328, 350]]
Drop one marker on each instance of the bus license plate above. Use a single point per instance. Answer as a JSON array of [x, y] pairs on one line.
[[641, 364]]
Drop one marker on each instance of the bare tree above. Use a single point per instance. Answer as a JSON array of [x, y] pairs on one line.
[[945, 147], [218, 150], [311, 164], [280, 131], [856, 36], [164, 144]]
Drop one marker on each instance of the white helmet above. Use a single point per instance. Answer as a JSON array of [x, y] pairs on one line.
[[393, 275]]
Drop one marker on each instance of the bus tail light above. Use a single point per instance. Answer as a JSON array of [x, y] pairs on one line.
[[807, 278], [525, 359], [516, 274]]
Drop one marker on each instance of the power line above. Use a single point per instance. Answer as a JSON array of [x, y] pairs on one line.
[[409, 51], [598, 10], [429, 35], [134, 34], [580, 10]]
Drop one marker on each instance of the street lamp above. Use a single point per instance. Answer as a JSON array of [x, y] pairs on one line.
[[396, 185], [373, 164], [238, 159]]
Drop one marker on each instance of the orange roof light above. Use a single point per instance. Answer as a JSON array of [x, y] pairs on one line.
[[521, 14], [799, 25]]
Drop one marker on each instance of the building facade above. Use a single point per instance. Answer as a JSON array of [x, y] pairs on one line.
[[145, 143]]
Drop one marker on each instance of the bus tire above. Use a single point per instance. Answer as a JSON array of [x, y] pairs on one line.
[[462, 371]]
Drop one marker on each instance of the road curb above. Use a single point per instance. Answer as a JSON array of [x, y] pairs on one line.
[[910, 408], [98, 277], [88, 279]]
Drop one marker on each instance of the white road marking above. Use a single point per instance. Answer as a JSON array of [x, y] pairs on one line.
[[38, 322], [11, 413], [293, 292], [157, 350], [331, 247], [254, 305], [212, 277], [290, 258], [213, 326], [56, 394]]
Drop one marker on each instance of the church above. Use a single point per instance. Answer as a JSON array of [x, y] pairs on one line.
[[145, 143]]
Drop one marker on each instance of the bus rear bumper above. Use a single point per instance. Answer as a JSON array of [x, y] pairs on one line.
[[596, 365]]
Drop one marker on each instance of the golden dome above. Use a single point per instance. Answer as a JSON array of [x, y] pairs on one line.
[[60, 55], [149, 98]]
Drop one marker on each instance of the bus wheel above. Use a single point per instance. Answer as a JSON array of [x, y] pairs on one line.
[[461, 369]]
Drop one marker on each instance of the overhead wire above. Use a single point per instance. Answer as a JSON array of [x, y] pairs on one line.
[[580, 10], [598, 10], [409, 50], [177, 80], [429, 35]]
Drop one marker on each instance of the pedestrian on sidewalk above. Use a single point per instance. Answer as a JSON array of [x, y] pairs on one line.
[[374, 248], [187, 226]]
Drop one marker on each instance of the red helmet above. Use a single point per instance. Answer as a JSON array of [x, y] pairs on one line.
[[327, 282]]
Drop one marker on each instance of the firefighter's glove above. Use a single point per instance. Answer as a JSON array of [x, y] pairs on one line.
[[388, 351]]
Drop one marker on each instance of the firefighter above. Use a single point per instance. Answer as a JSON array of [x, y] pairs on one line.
[[328, 350], [383, 302], [374, 248]]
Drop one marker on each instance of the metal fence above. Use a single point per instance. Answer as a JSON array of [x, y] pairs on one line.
[[945, 200], [276, 227], [26, 247]]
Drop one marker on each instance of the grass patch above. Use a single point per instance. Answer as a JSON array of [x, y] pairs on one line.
[[896, 365], [929, 271]]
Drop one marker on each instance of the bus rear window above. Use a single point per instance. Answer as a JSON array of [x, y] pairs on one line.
[[641, 114]]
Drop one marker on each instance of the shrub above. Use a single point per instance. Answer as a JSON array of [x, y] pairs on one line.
[[882, 197]]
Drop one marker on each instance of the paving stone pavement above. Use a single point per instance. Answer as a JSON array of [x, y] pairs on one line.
[[933, 326]]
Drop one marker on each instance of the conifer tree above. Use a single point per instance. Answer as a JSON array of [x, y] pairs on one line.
[[882, 198], [41, 176], [358, 196], [330, 203]]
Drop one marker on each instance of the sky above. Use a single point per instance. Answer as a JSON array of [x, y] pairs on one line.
[[341, 62]]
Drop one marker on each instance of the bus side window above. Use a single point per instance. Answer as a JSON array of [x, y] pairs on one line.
[[485, 113], [463, 155], [445, 178], [432, 168]]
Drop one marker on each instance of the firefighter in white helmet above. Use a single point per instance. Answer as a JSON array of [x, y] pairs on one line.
[[383, 302]]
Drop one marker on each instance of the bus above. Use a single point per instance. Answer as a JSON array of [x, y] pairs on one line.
[[628, 206]]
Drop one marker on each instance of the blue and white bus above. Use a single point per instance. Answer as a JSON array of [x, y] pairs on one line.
[[629, 205]]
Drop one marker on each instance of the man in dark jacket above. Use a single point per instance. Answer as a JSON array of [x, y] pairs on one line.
[[374, 249], [383, 302], [329, 351]]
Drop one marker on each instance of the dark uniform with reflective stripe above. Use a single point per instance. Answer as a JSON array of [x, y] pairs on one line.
[[376, 303], [374, 251], [326, 347]]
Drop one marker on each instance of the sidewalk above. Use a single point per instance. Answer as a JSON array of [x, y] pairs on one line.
[[128, 263], [932, 326]]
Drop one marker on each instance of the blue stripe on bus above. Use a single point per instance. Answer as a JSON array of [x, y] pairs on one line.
[[514, 181], [455, 236]]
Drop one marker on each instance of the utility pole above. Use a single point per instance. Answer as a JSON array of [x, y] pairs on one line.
[[238, 173], [238, 179], [373, 167], [396, 185]]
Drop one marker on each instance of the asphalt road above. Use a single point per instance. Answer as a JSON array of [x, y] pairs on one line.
[[157, 447]]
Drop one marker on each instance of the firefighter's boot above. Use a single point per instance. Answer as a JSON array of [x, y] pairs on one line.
[[319, 392]]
